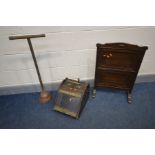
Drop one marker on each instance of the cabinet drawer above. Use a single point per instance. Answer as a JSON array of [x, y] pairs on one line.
[[125, 60], [115, 79]]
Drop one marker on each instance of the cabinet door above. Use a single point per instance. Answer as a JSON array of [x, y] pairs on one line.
[[125, 60], [114, 79]]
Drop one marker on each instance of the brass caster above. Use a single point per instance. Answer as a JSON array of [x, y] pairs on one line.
[[94, 93], [129, 98]]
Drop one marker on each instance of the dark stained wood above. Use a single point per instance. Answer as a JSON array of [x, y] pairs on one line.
[[117, 66]]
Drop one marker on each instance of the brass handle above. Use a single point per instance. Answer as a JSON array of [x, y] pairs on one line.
[[108, 55]]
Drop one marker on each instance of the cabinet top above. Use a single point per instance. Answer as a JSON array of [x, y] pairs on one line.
[[121, 45]]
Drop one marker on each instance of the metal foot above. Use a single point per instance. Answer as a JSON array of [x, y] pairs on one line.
[[129, 98], [94, 93], [45, 97]]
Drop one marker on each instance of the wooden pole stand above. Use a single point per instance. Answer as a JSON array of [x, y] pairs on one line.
[[45, 96]]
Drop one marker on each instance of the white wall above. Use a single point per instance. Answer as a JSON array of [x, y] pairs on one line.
[[65, 52]]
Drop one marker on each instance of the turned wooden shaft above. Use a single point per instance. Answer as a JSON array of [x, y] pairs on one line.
[[35, 63], [26, 36]]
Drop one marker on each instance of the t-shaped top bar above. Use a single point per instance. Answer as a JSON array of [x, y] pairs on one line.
[[26, 36]]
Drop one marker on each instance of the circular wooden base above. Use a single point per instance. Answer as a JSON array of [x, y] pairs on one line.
[[45, 97]]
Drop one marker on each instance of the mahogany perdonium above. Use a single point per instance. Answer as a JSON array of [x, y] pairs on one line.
[[45, 96]]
